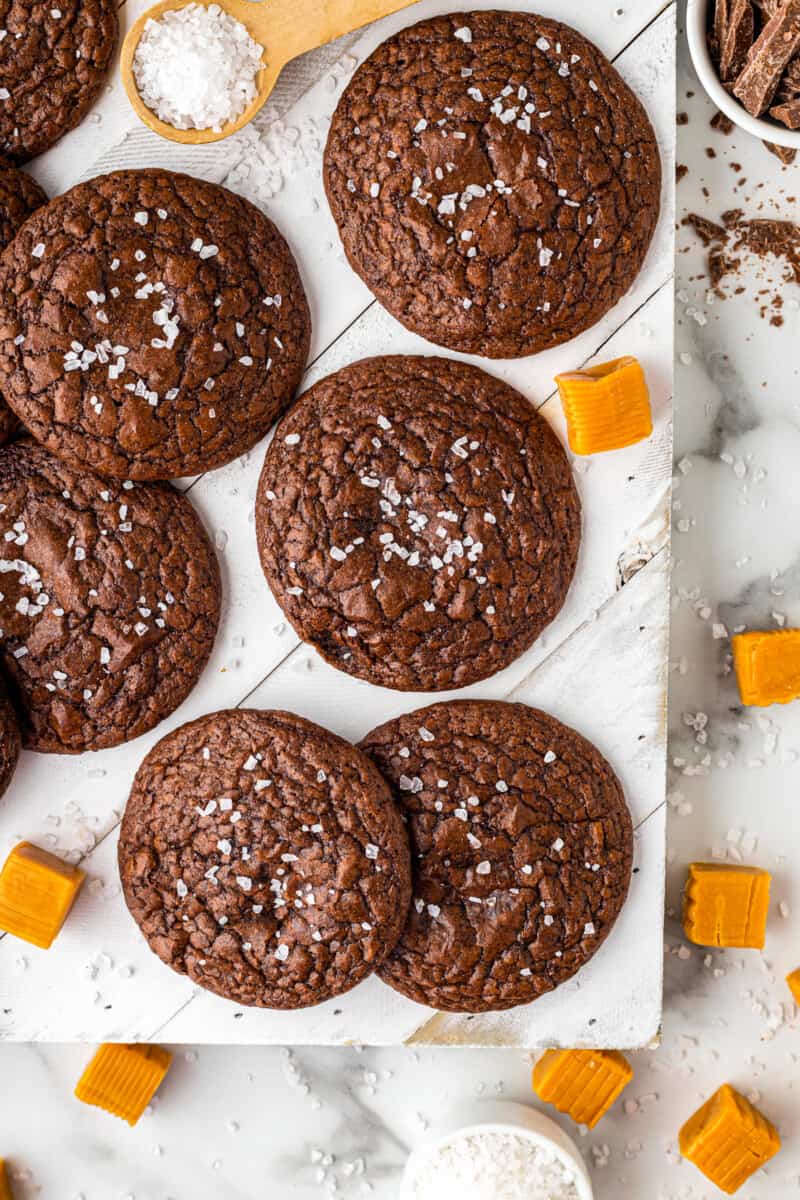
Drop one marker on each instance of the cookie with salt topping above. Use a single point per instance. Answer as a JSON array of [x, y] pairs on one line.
[[151, 325], [265, 858], [110, 601], [54, 59], [417, 522], [495, 181], [521, 848]]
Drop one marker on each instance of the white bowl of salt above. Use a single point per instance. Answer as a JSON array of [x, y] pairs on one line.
[[496, 1150]]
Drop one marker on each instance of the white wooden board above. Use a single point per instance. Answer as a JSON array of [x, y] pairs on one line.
[[600, 666]]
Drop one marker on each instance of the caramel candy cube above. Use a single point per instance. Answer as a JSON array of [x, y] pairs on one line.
[[728, 1139], [5, 1186], [582, 1083], [793, 981], [37, 890], [726, 905], [768, 666], [123, 1079], [607, 407]]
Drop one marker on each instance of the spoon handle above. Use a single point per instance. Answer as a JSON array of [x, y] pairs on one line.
[[316, 22]]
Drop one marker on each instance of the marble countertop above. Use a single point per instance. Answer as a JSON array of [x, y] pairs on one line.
[[257, 1123]]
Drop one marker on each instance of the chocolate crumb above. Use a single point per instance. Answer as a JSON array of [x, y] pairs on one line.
[[721, 123]]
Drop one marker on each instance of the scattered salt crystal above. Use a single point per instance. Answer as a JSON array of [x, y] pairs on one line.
[[196, 67]]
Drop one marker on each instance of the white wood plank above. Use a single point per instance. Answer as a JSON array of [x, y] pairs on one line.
[[73, 804]]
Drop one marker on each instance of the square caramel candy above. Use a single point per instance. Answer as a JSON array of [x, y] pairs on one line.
[[793, 981], [582, 1083], [37, 890], [726, 905], [5, 1185], [728, 1139], [767, 666], [607, 407], [123, 1079]]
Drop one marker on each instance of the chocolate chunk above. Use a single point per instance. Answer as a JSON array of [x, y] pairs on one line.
[[521, 847], [151, 325], [738, 40], [417, 522], [110, 601], [721, 123], [265, 858], [776, 46], [54, 58], [719, 29], [789, 87], [495, 182], [786, 154], [681, 171], [788, 114]]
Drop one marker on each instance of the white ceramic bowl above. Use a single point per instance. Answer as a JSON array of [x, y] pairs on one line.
[[697, 17], [500, 1116]]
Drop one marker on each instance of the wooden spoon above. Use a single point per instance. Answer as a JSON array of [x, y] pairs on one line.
[[285, 28]]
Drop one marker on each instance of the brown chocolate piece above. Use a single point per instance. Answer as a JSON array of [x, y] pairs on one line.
[[494, 180], [54, 59], [738, 40], [719, 29], [789, 87], [721, 123], [265, 858], [786, 154], [417, 522], [681, 171], [521, 847], [110, 601], [776, 46], [788, 114], [151, 325]]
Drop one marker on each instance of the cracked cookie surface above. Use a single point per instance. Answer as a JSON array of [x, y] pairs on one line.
[[265, 858], [521, 851], [53, 63], [9, 740], [151, 325], [20, 195], [110, 601], [495, 182], [417, 522]]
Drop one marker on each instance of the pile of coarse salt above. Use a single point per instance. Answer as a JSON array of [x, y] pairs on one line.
[[195, 67], [492, 1165]]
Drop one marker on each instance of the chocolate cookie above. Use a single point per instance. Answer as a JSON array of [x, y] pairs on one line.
[[265, 858], [417, 522], [53, 63], [151, 325], [19, 197], [521, 850], [110, 601], [495, 182], [9, 740]]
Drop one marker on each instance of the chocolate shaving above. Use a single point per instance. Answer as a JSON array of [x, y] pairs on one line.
[[777, 45], [738, 40], [716, 39], [763, 237]]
